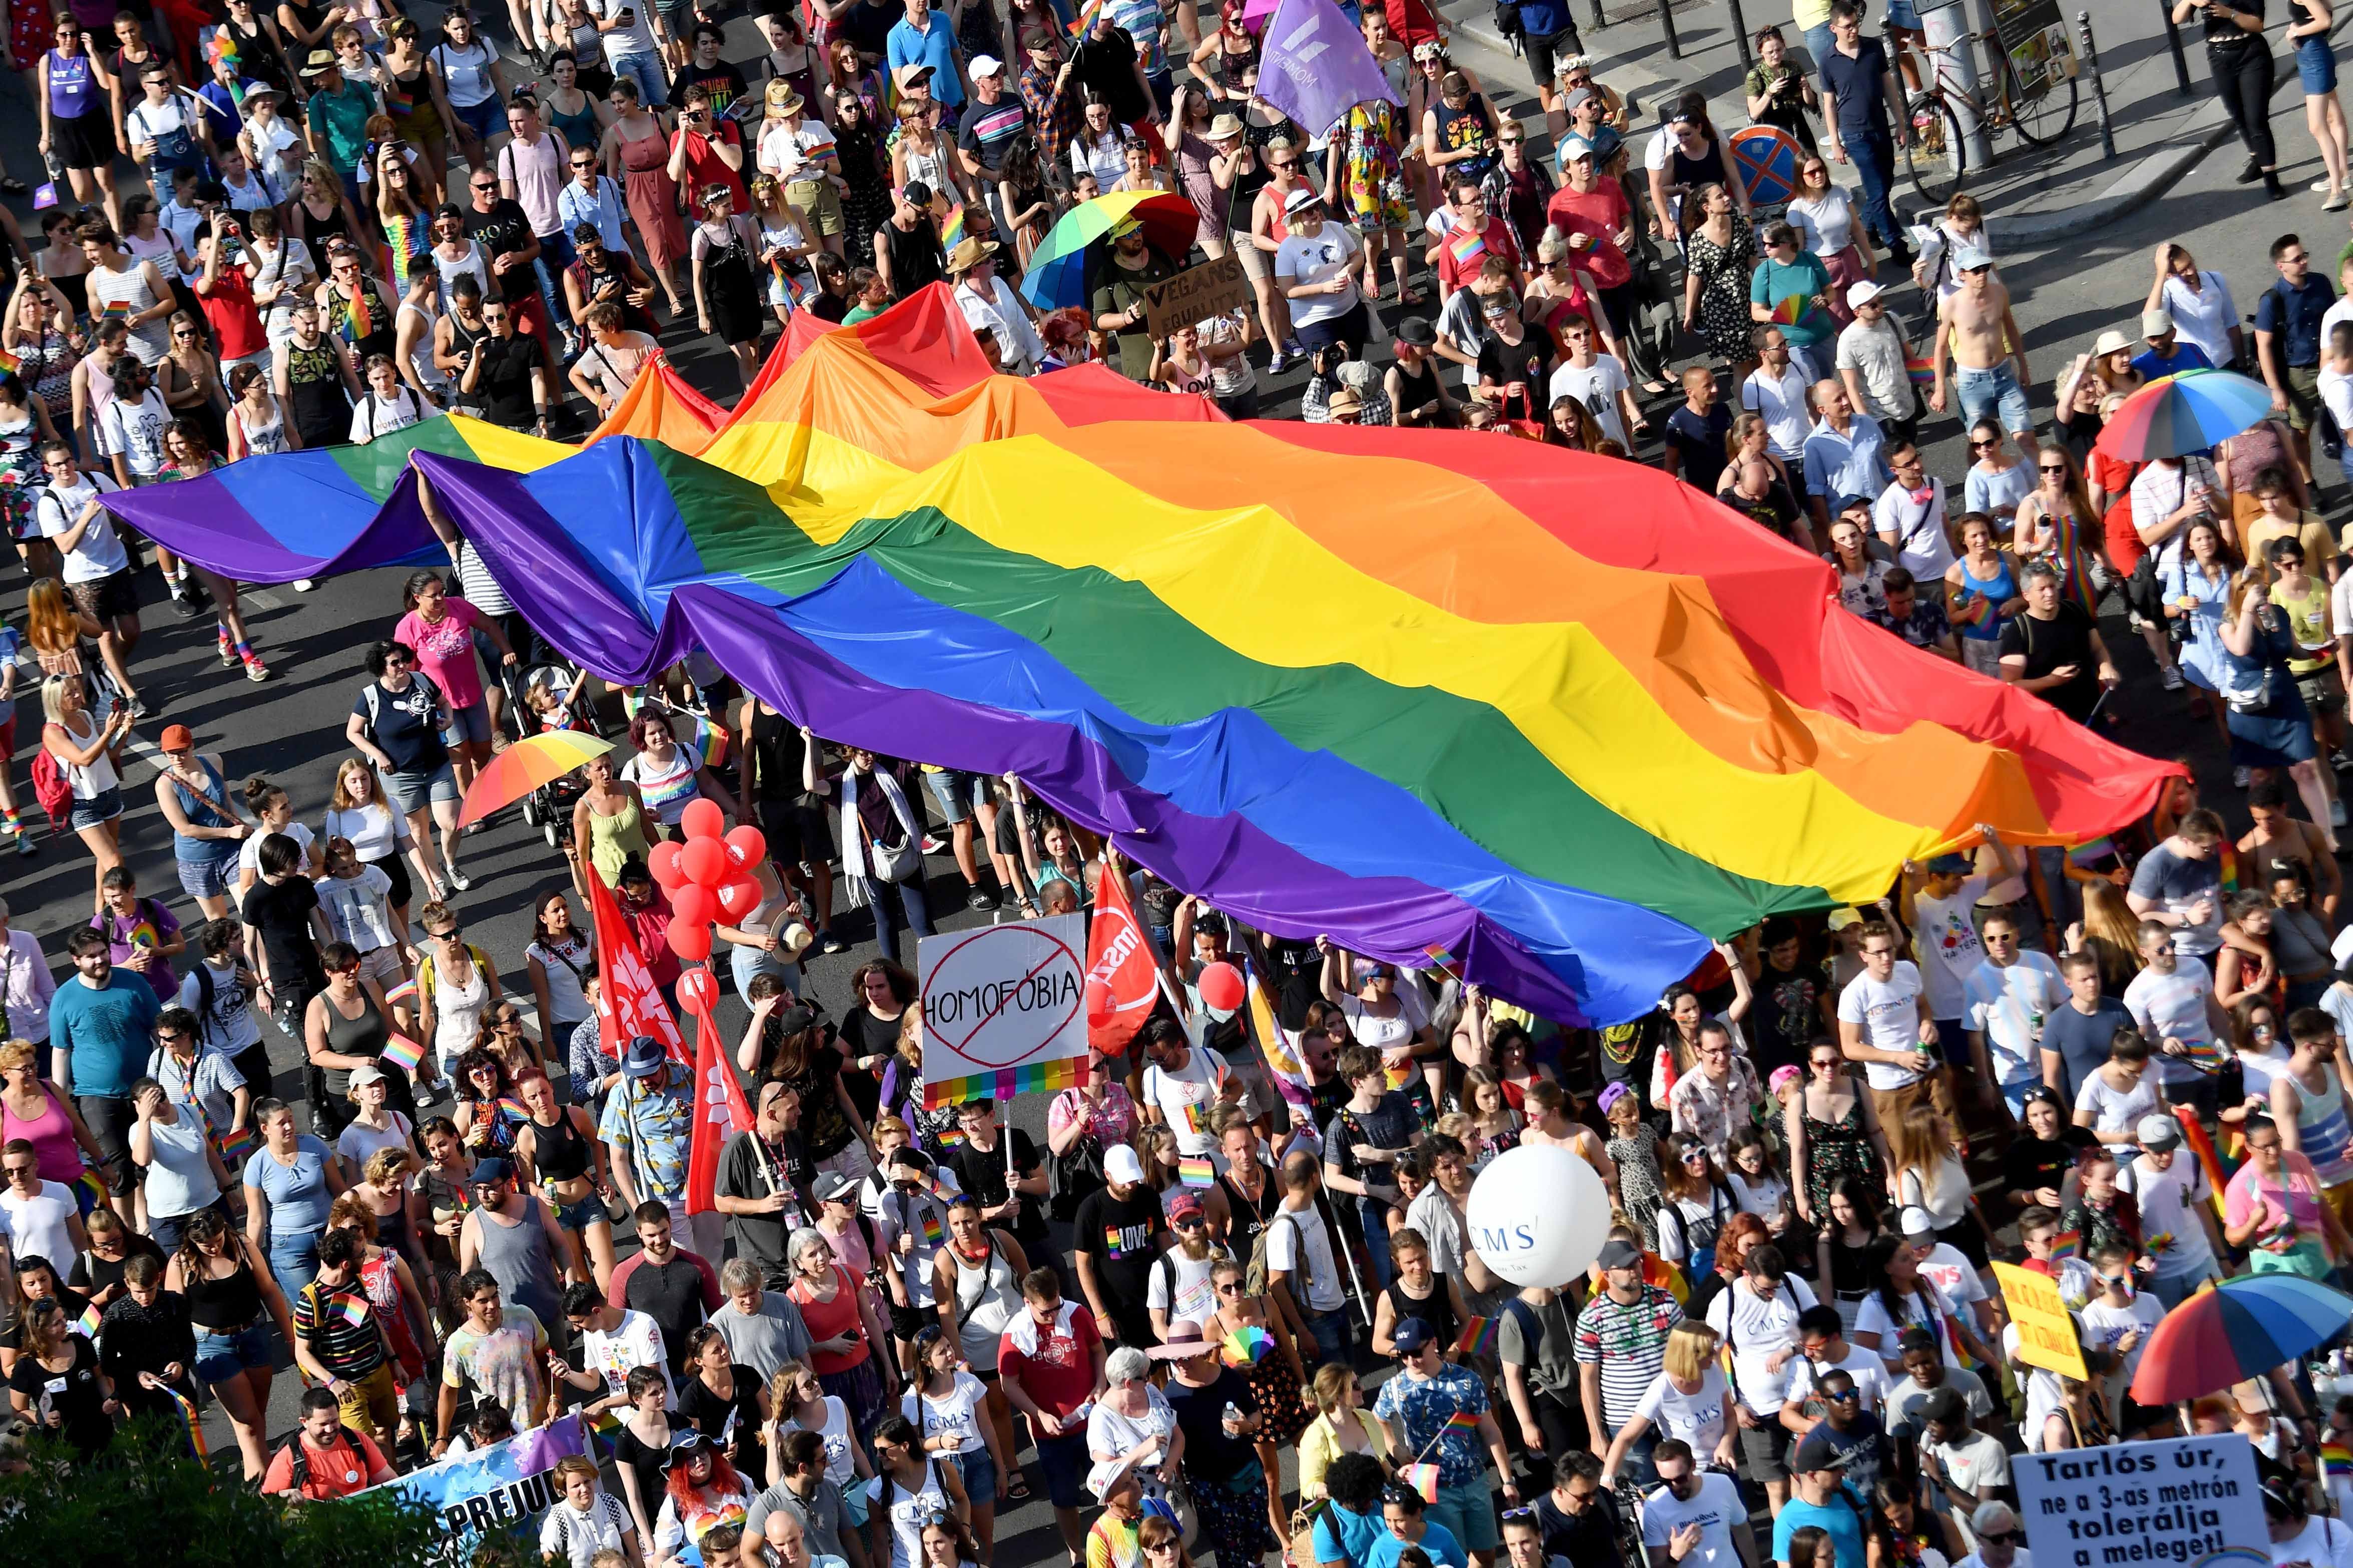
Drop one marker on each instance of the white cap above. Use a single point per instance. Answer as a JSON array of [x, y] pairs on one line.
[[1859, 293], [1917, 1221], [986, 64], [1121, 1165]]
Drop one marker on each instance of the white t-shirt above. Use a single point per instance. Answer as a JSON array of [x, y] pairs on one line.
[[2105, 1326], [1299, 1245], [1976, 1464], [357, 908], [951, 1415], [2008, 1003], [373, 416], [1195, 1299], [2114, 1110], [1873, 1319], [100, 553], [248, 856], [2165, 1199], [2322, 1542], [1185, 1096], [1876, 355], [1782, 405], [1922, 547], [1869, 1372], [1597, 386], [1303, 261], [1696, 1418], [637, 1343], [1889, 1012], [1753, 1330], [36, 1226], [1947, 945], [136, 431], [2172, 1006], [1715, 1509], [1954, 1275]]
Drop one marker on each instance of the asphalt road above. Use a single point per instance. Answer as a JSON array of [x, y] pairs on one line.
[[290, 729]]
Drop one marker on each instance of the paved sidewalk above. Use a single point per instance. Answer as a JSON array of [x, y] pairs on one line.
[[2031, 197]]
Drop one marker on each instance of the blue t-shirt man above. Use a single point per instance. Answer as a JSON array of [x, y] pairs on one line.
[[2081, 1038], [2293, 314], [105, 1028], [1860, 86], [2150, 364], [930, 43], [1841, 1516], [1343, 1536]]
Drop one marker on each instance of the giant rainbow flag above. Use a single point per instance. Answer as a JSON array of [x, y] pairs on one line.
[[1558, 717]]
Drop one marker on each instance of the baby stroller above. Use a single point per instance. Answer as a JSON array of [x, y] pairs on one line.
[[554, 697]]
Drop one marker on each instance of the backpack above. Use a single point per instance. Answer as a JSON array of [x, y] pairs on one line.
[[299, 1475], [1507, 22], [1255, 1272], [51, 788]]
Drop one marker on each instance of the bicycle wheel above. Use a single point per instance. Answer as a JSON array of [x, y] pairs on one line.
[[2045, 118], [1933, 155]]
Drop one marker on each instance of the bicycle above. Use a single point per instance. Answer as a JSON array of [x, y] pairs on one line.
[[1934, 154]]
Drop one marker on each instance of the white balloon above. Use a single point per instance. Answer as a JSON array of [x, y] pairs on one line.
[[1538, 1215]]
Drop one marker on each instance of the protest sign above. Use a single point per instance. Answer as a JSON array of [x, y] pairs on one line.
[[503, 1487], [2046, 1333], [1196, 294], [1004, 1009], [2186, 1501]]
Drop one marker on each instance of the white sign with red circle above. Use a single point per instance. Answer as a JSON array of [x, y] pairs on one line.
[[1003, 996]]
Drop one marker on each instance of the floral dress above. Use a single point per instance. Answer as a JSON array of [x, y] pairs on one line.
[[1638, 1182], [1834, 1151], [1375, 174], [1722, 269], [20, 472]]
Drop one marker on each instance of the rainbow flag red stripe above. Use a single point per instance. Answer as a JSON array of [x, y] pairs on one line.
[[402, 1052], [1479, 1337]]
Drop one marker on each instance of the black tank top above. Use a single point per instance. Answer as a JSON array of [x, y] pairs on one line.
[[915, 258], [777, 751], [1249, 1218], [230, 1301], [559, 1152], [1437, 1310]]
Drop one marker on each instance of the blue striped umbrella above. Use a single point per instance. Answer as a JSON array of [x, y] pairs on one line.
[[2186, 412]]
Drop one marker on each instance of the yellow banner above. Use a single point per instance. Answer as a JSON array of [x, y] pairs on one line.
[[2046, 1334]]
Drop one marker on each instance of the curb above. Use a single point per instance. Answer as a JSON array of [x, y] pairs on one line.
[[2146, 181]]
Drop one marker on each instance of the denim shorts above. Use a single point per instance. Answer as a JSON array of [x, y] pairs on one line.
[[220, 1357], [471, 722], [577, 1218], [415, 791], [486, 118], [1065, 1461], [1993, 392], [979, 1476], [100, 809], [958, 794], [206, 879]]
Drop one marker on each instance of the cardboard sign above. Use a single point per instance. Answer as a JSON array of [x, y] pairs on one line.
[[2046, 1333], [1004, 1009], [2178, 1501], [1196, 294]]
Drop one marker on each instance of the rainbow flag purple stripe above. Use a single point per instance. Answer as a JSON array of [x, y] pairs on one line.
[[1050, 1077]]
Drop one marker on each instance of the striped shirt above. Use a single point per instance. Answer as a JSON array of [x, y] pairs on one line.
[[1629, 1341], [339, 1327]]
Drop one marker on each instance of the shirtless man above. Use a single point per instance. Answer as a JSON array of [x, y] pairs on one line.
[[2277, 838], [1977, 334]]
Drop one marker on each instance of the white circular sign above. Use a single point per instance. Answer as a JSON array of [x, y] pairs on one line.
[[1538, 1215], [1001, 995]]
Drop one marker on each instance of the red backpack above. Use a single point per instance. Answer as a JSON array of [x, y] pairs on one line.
[[51, 788]]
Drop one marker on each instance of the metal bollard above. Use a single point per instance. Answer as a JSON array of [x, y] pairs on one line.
[[1667, 25], [2099, 87], [1601, 18], [2173, 42]]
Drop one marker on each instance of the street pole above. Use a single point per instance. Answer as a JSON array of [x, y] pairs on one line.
[[1740, 34], [1947, 31], [1601, 18], [1667, 26], [2099, 87], [2173, 42]]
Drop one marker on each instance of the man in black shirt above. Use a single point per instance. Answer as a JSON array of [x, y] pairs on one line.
[[707, 70], [675, 1288], [1018, 1207], [868, 25], [1116, 1236], [2054, 649], [1579, 1519], [1788, 1016], [290, 930], [506, 373], [1105, 63], [503, 230], [763, 1182]]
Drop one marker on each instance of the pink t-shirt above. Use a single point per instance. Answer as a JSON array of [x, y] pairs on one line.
[[446, 650], [2297, 1194]]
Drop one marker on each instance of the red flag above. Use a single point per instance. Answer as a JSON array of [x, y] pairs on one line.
[[628, 1004], [1119, 956], [720, 1112]]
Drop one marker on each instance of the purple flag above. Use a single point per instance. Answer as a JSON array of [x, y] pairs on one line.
[[1315, 66]]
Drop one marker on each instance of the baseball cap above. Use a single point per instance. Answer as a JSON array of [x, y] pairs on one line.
[[176, 738], [1841, 919], [488, 1171], [1410, 1335], [1620, 1254], [1944, 1403], [1578, 99], [833, 1187], [366, 1073], [1917, 1221], [1125, 227], [1969, 258], [1862, 292], [2156, 324], [2157, 1132], [986, 64], [1816, 1452], [1181, 1203], [1121, 1165]]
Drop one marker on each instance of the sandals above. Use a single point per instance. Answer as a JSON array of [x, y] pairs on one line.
[[1019, 1490]]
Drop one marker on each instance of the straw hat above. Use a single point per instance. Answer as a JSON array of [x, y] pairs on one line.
[[970, 252]]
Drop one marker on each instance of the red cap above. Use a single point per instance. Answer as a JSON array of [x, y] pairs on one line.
[[176, 738]]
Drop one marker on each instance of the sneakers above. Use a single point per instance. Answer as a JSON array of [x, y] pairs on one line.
[[2335, 814], [828, 943], [934, 843], [138, 708], [227, 654], [2250, 171], [25, 844], [460, 880], [183, 603], [255, 670], [304, 584], [2172, 678]]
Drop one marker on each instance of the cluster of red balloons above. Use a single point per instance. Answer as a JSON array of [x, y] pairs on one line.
[[711, 873]]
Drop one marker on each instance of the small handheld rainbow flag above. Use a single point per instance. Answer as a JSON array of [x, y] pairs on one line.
[[222, 46], [513, 1107], [1479, 1336], [1794, 310], [2162, 1242], [952, 228], [403, 992], [1922, 370], [1247, 1346], [933, 1234], [1423, 1479], [1086, 17], [2336, 1454], [115, 310], [2206, 1056], [188, 1415], [352, 1307], [2065, 1244], [1468, 248], [403, 1053], [1444, 960], [87, 1325], [9, 364], [951, 1137], [237, 1147], [1196, 1171], [1462, 1421], [1398, 1071]]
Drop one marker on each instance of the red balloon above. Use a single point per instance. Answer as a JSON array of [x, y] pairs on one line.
[[747, 846], [1098, 1004], [662, 861], [694, 905], [691, 942], [704, 861], [703, 819], [697, 990], [740, 897], [1221, 988]]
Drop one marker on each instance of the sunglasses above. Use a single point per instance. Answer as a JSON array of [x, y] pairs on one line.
[[1978, 446], [451, 935], [2054, 468]]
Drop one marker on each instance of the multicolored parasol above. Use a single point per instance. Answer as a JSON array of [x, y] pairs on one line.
[[2183, 413], [525, 766], [1058, 269], [2240, 1329]]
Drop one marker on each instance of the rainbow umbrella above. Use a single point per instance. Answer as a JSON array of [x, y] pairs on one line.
[[1058, 269], [525, 766], [2183, 413], [2240, 1329]]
